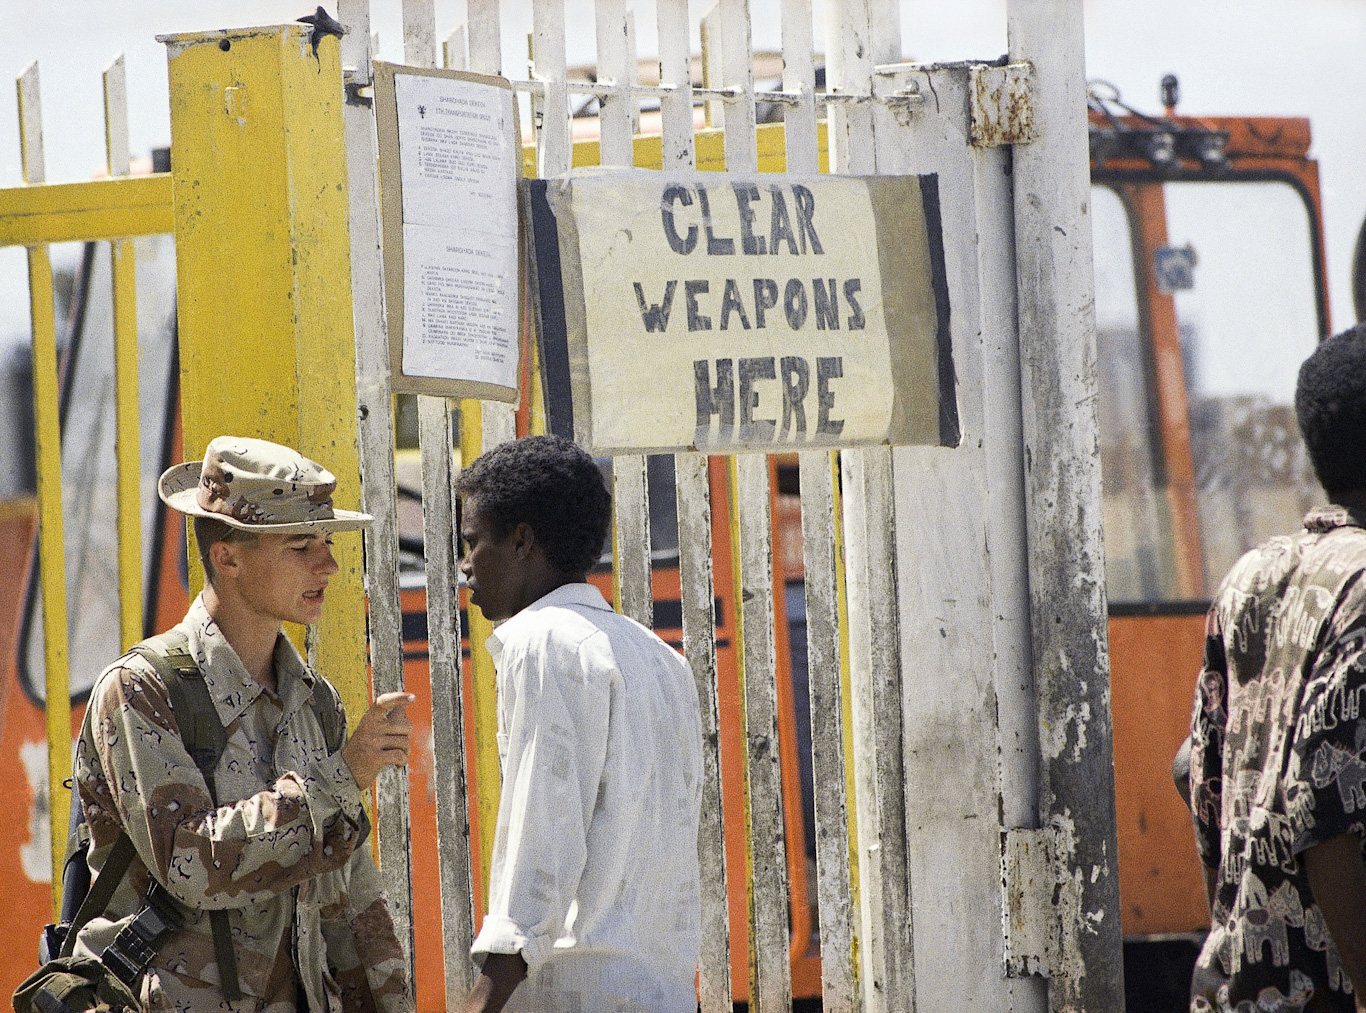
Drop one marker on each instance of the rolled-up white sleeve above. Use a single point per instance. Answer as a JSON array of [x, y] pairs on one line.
[[555, 721]]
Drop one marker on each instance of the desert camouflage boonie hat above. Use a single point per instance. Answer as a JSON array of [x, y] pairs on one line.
[[256, 485]]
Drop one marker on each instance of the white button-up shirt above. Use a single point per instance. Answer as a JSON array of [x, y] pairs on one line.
[[594, 874]]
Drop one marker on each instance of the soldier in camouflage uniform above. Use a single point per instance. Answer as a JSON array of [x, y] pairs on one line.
[[285, 851]]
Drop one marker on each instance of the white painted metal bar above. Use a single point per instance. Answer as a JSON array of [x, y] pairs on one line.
[[633, 65], [770, 971], [376, 432], [713, 44], [881, 565], [127, 452], [962, 596], [720, 95], [871, 973], [769, 933], [839, 976], [614, 77], [889, 979], [454, 51], [839, 971], [419, 33], [485, 37], [553, 149], [692, 485], [498, 422], [1007, 559], [443, 626], [48, 460], [697, 593], [849, 71], [799, 81], [1064, 506], [675, 72], [448, 720], [853, 49], [630, 489]]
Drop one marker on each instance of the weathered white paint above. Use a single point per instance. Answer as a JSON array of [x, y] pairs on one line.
[[818, 474], [550, 111], [696, 592], [1029, 876], [1063, 498], [443, 619], [860, 32], [1000, 105], [770, 970], [947, 739], [692, 495], [127, 449], [419, 33], [498, 422], [455, 54], [448, 720], [1006, 561], [630, 489], [376, 436]]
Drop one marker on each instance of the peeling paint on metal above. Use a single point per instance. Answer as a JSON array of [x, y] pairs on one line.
[[1001, 105]]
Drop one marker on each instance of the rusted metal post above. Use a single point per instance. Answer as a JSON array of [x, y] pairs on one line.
[[1063, 504]]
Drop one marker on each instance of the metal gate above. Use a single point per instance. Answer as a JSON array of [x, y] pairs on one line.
[[971, 607], [959, 677]]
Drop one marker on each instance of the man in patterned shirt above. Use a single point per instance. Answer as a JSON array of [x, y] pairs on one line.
[[1278, 734], [283, 851], [594, 901]]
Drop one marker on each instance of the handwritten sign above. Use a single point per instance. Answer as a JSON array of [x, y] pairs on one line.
[[449, 164], [725, 313]]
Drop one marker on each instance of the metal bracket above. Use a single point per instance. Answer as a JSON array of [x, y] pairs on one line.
[[359, 87], [1030, 866], [1001, 106]]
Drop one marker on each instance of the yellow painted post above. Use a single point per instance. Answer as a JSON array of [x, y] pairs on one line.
[[48, 455], [264, 276], [127, 450], [488, 775]]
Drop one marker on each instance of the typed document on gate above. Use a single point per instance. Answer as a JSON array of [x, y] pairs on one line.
[[449, 164]]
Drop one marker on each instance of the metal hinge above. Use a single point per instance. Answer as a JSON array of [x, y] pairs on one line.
[[1030, 867], [1001, 106]]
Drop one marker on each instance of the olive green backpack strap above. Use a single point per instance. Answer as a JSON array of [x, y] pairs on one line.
[[102, 890], [205, 738]]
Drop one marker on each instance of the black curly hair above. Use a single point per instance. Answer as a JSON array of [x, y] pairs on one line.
[[549, 483], [1330, 404]]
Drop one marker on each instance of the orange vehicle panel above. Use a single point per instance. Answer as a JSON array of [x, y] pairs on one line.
[[1154, 662]]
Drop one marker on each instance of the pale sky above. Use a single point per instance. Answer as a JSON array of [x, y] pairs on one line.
[[1267, 57]]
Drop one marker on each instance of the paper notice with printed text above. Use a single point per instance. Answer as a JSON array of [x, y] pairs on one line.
[[458, 162]]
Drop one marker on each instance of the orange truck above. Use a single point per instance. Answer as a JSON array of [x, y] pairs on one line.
[[1209, 291]]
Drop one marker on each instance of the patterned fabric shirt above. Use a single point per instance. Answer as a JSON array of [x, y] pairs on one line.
[[282, 853], [1278, 762], [594, 878]]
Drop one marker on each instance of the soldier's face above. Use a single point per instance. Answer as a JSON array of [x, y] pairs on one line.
[[284, 577]]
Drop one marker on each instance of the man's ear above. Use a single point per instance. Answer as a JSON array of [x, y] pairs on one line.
[[523, 540], [224, 558]]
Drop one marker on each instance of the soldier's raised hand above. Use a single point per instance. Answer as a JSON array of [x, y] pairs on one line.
[[382, 738]]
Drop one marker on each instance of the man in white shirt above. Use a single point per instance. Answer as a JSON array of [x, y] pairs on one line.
[[594, 901]]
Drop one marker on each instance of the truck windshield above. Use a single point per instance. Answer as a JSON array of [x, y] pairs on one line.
[[1205, 306]]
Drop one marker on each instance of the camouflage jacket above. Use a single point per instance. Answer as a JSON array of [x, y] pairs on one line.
[[282, 853], [1278, 762]]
